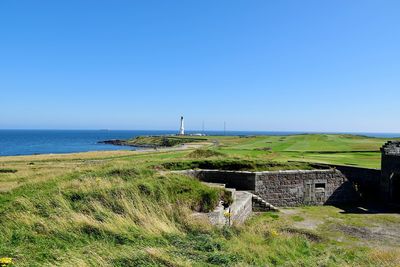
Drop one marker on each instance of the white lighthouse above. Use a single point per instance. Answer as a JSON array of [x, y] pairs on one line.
[[182, 128]]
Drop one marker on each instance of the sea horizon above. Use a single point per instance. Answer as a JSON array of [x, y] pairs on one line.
[[211, 131], [16, 142]]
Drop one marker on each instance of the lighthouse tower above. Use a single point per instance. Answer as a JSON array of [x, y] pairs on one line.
[[182, 128]]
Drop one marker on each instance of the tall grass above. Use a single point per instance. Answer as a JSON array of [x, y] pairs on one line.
[[101, 209]]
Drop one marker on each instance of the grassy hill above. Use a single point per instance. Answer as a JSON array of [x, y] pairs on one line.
[[343, 149], [123, 208], [323, 148]]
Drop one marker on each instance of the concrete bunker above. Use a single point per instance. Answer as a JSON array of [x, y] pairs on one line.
[[333, 184], [287, 188]]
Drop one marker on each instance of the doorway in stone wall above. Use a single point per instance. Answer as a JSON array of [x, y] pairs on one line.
[[309, 194], [395, 188], [314, 192]]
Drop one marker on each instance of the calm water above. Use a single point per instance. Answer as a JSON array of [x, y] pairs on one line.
[[29, 142]]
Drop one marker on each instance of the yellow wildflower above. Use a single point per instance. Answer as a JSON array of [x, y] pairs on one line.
[[5, 262], [227, 214], [274, 233]]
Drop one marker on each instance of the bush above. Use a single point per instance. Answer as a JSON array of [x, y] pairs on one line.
[[124, 173], [8, 170], [209, 200], [204, 153], [222, 259]]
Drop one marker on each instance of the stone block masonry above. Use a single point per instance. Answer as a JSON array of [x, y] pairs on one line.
[[241, 208], [287, 188], [308, 187], [364, 179]]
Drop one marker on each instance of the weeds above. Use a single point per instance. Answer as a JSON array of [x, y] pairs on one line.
[[8, 170], [234, 164], [205, 153]]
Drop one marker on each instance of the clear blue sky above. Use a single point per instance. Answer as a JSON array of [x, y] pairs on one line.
[[258, 65]]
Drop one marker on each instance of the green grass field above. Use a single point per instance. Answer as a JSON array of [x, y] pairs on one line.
[[323, 148], [123, 208]]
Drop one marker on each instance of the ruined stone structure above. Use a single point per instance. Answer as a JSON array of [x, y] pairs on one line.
[[389, 184], [311, 187], [287, 188], [328, 184]]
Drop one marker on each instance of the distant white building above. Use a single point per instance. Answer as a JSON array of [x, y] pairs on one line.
[[197, 134], [182, 128]]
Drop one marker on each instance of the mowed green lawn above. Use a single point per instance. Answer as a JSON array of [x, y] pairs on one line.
[[320, 148]]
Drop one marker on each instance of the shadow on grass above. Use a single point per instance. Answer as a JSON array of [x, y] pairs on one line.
[[369, 208]]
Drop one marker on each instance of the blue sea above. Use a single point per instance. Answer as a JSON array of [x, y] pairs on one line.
[[31, 142]]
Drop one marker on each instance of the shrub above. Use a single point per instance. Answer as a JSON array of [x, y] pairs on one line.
[[204, 153], [209, 199], [124, 173], [222, 259], [8, 170]]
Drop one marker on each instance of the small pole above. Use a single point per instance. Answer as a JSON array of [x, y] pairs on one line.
[[230, 216]]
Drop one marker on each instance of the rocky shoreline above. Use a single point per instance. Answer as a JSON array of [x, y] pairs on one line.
[[161, 141], [119, 142]]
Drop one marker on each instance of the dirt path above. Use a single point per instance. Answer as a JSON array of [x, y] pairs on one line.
[[372, 230]]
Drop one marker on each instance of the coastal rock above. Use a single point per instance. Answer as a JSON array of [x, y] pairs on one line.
[[116, 142]]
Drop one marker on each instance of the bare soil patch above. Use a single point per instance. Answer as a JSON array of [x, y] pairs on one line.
[[380, 233]]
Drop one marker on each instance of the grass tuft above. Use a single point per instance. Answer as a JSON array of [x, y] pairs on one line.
[[235, 164], [204, 153]]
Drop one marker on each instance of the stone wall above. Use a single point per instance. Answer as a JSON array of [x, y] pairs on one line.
[[308, 187], [336, 185], [241, 208], [287, 188], [239, 211], [389, 183], [364, 179]]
